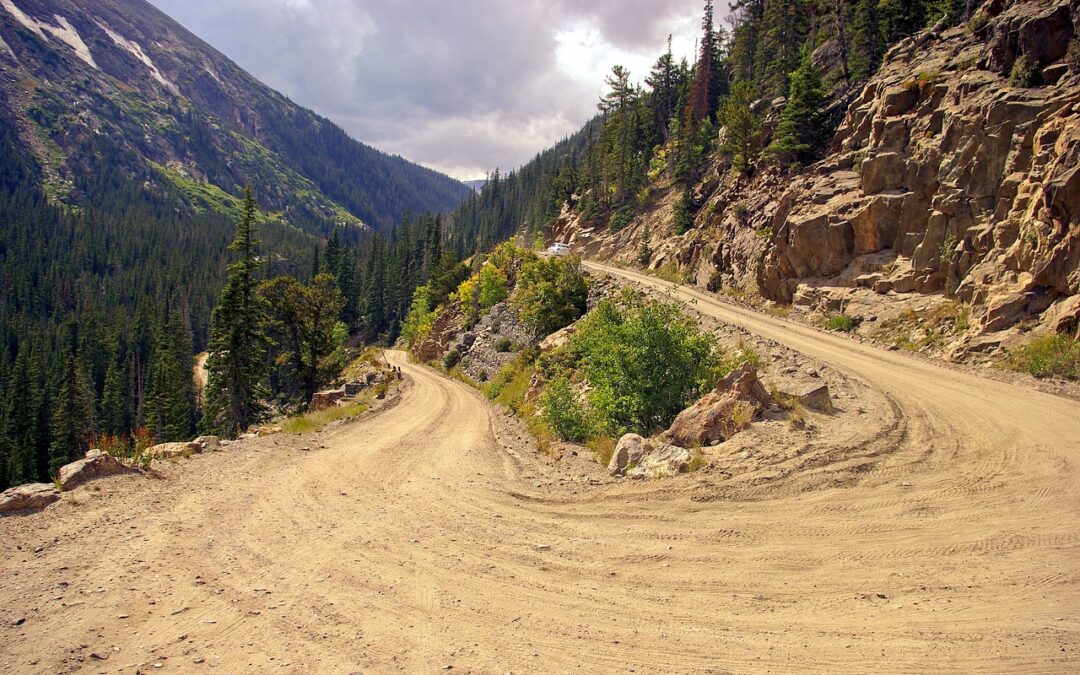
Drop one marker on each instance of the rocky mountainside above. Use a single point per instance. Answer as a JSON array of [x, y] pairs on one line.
[[954, 177], [113, 93]]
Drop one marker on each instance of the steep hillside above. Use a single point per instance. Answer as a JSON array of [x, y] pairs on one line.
[[113, 93], [951, 184]]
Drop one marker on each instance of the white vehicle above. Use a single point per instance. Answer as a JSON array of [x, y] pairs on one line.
[[558, 249]]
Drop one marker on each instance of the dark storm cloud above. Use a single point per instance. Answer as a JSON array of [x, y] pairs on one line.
[[459, 86]]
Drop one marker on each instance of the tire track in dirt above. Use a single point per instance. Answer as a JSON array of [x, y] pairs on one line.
[[940, 536]]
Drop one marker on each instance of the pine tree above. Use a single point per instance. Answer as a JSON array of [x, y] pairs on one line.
[[801, 130], [236, 367], [170, 397], [778, 47], [741, 125], [709, 81], [867, 47], [70, 424], [644, 254]]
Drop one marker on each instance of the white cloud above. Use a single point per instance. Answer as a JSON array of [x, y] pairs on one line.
[[462, 87]]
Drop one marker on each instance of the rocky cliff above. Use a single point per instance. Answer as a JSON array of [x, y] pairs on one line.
[[952, 174]]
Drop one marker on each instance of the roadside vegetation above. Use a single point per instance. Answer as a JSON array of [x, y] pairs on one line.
[[1047, 356]]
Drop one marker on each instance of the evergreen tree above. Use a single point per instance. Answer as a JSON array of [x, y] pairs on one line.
[[867, 47], [800, 132], [741, 125], [783, 23], [71, 426], [170, 397], [236, 365], [304, 319]]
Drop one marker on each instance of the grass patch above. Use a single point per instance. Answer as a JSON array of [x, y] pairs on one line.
[[669, 272], [1047, 356], [314, 421], [914, 331], [603, 447], [697, 461], [840, 322]]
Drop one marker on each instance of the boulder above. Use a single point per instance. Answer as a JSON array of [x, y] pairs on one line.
[[29, 497], [209, 443], [326, 399], [666, 460], [816, 397], [173, 450], [557, 339], [354, 388], [721, 413], [96, 464], [630, 449]]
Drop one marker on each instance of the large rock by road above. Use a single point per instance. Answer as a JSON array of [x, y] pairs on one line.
[[719, 414], [29, 497], [96, 464]]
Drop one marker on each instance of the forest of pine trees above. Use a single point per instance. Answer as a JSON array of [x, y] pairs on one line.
[[807, 54]]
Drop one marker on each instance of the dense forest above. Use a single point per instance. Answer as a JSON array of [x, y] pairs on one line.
[[769, 87], [102, 308]]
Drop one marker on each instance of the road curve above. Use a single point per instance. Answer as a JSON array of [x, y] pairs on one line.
[[410, 541]]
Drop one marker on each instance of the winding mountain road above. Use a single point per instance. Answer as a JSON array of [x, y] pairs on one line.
[[410, 541]]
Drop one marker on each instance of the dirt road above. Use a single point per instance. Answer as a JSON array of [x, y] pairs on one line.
[[412, 542]]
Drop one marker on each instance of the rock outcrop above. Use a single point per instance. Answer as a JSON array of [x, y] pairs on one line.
[[628, 453], [29, 497], [721, 413], [96, 464], [970, 183], [946, 176]]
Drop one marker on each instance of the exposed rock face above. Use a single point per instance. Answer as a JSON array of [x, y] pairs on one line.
[[29, 497], [972, 184], [944, 178], [96, 464], [484, 348], [715, 416], [326, 399], [437, 342]]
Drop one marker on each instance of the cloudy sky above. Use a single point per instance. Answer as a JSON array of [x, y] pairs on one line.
[[462, 86]]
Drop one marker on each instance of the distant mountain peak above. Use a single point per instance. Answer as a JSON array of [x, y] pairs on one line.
[[114, 92]]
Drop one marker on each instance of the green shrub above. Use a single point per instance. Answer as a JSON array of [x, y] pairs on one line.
[[563, 411], [620, 218], [840, 322], [1048, 356], [503, 345], [420, 319], [491, 286], [551, 293], [511, 384], [452, 358], [1025, 72], [646, 361]]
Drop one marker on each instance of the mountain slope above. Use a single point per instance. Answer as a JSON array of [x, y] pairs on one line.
[[114, 92]]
